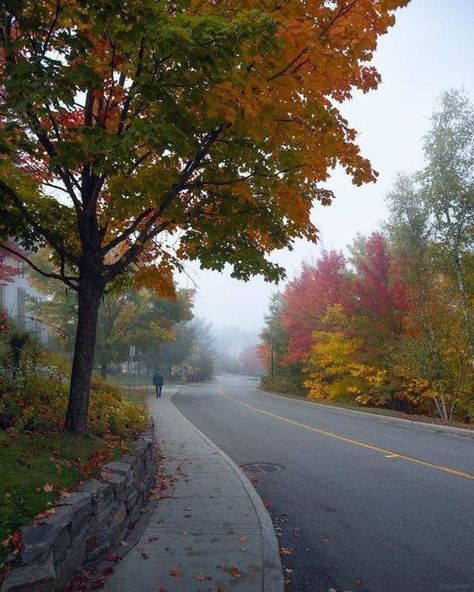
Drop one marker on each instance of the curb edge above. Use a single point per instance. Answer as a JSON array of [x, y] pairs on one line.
[[427, 426]]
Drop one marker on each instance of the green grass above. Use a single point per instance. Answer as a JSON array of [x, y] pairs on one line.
[[31, 463]]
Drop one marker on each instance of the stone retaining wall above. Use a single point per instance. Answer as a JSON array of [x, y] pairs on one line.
[[85, 524]]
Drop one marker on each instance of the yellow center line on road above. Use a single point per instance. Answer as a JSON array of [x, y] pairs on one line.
[[384, 451]]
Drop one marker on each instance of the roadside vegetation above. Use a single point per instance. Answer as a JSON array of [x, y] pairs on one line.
[[389, 323], [39, 461]]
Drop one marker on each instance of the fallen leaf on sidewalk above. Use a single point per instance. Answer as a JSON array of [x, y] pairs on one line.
[[200, 577], [143, 554], [358, 582], [163, 589], [244, 539], [175, 573], [111, 557], [285, 551], [234, 572], [243, 549], [124, 544]]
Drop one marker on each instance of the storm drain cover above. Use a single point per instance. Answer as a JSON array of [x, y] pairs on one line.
[[261, 467]]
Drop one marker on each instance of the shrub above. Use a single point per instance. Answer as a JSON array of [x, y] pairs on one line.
[[36, 401]]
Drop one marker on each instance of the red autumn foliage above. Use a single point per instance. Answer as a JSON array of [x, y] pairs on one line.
[[307, 299], [379, 292]]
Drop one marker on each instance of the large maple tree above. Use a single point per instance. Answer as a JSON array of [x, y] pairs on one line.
[[126, 125]]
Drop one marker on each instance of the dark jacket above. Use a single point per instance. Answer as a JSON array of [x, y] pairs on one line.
[[157, 379]]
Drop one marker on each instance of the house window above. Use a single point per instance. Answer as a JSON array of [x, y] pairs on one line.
[[2, 297]]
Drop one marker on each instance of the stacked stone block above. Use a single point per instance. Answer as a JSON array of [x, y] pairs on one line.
[[85, 524]]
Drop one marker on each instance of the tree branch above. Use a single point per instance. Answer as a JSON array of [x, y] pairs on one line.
[[148, 232], [10, 193], [68, 280]]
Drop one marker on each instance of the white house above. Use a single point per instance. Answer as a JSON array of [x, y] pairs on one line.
[[15, 293]]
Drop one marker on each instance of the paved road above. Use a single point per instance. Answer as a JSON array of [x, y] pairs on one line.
[[371, 506]]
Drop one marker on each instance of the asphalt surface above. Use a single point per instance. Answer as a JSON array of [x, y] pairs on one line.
[[363, 505]]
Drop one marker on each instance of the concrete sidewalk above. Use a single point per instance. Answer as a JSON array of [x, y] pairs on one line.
[[210, 533]]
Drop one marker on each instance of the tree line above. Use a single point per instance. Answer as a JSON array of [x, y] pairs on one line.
[[390, 322], [135, 136], [160, 327]]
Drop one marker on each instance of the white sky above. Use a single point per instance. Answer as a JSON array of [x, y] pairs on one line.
[[429, 50]]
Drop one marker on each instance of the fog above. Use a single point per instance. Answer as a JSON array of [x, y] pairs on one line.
[[429, 50]]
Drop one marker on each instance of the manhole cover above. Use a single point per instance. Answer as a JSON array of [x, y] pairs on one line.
[[261, 467]]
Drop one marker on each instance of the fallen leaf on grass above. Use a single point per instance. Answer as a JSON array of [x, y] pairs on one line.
[[15, 540], [48, 488], [175, 573], [124, 544], [107, 571], [111, 557], [98, 584]]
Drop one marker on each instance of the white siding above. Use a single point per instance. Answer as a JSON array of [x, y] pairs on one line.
[[14, 296]]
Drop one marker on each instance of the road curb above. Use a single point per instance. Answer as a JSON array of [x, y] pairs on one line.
[[272, 569], [432, 427]]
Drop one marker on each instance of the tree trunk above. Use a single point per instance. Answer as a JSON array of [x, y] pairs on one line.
[[103, 370], [464, 303], [90, 293]]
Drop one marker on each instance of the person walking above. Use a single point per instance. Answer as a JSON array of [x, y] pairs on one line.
[[158, 382]]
